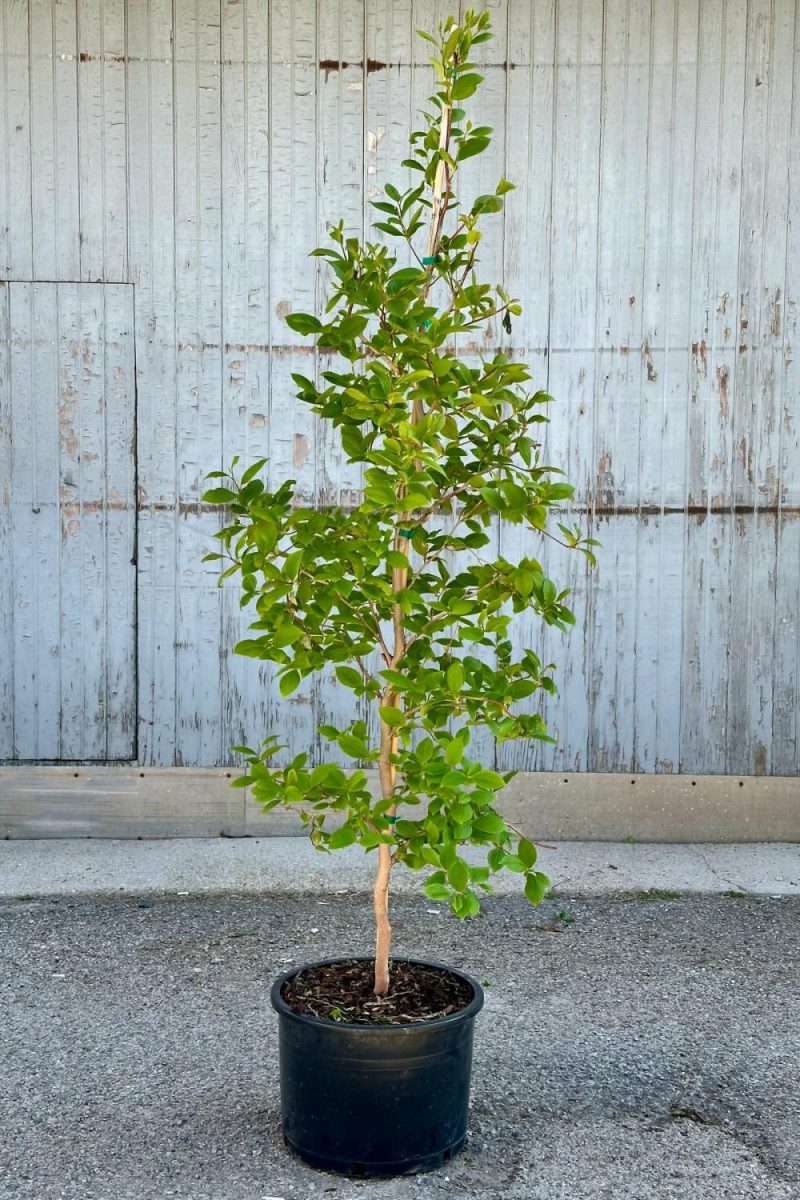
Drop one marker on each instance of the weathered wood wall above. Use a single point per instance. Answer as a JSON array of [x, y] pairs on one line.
[[67, 580], [196, 150]]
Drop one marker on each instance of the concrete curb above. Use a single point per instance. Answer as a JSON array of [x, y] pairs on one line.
[[159, 802], [290, 865]]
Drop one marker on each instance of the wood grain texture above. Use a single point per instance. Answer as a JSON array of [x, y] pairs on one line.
[[68, 415], [198, 151], [151, 125], [16, 143]]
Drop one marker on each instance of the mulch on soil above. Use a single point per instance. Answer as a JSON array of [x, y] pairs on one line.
[[342, 991]]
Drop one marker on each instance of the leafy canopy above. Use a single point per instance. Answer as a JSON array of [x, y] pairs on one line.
[[398, 593]]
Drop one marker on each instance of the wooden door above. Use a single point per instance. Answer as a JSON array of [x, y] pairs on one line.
[[67, 522]]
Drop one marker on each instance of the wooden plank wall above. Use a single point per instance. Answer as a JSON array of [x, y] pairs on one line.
[[67, 412], [197, 149]]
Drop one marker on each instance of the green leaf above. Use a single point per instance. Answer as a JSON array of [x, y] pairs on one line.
[[460, 606], [399, 682], [411, 501], [495, 858], [252, 471], [406, 829], [466, 905], [468, 147], [350, 677], [380, 494], [249, 648], [455, 677], [219, 495], [291, 564], [286, 635], [491, 823], [303, 382], [536, 886], [303, 323], [353, 746], [465, 86], [392, 716], [352, 442], [487, 204], [436, 891], [433, 833], [525, 447], [289, 682], [341, 838], [522, 688], [424, 751], [526, 851], [524, 581], [402, 278], [490, 780], [458, 875], [454, 752], [323, 773]]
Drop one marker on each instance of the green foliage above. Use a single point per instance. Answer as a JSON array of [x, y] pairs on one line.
[[397, 594]]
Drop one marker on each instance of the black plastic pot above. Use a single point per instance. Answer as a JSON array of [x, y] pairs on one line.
[[375, 1099]]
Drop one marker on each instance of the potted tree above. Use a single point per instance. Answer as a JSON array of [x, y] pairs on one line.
[[404, 598]]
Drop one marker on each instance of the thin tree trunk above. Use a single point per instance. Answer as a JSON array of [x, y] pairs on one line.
[[383, 938], [386, 768]]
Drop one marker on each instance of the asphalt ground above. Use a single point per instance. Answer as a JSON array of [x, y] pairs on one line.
[[637, 1048]]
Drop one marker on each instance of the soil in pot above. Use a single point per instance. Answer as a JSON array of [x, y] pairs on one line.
[[343, 992]]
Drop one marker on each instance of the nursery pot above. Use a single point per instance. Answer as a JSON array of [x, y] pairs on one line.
[[375, 1099]]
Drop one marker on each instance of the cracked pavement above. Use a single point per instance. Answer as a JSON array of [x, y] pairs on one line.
[[630, 1049]]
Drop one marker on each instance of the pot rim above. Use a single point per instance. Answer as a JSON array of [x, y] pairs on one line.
[[466, 1013]]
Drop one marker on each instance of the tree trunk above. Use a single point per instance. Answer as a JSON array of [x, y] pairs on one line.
[[383, 939], [386, 768]]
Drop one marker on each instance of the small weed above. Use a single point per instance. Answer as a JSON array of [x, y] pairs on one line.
[[629, 841], [336, 1014], [487, 983], [566, 918], [735, 894]]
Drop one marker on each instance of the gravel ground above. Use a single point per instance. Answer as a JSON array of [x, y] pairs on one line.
[[630, 1049]]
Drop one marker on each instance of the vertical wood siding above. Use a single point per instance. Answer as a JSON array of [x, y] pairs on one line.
[[67, 404], [197, 150]]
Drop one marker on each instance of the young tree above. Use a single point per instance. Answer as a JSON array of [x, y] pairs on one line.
[[396, 592]]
